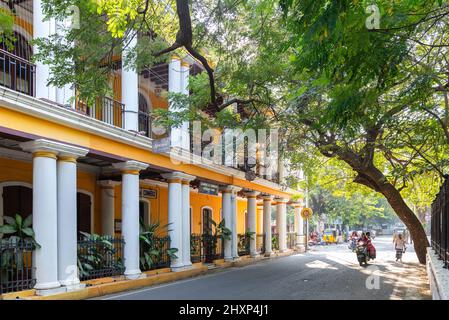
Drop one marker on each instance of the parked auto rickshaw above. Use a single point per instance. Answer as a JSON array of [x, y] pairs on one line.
[[330, 236]]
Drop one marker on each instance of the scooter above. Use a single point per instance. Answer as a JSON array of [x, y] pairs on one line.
[[362, 253]]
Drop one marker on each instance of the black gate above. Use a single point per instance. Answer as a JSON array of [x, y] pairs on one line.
[[440, 223]]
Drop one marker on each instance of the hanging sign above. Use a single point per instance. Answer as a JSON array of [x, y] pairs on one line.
[[306, 213], [208, 188], [148, 193]]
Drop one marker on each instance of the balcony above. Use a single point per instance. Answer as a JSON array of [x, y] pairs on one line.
[[17, 74], [104, 109]]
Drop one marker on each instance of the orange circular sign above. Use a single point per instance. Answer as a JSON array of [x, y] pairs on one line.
[[306, 213]]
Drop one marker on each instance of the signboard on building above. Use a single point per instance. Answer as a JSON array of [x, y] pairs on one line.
[[161, 145], [148, 193], [208, 188]]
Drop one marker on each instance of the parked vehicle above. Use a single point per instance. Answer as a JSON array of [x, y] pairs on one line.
[[330, 236]]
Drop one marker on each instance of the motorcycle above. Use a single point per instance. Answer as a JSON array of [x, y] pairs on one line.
[[362, 253], [352, 244]]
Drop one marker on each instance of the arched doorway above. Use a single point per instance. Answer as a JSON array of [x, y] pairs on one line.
[[144, 116], [208, 241], [144, 212], [207, 221], [17, 72], [84, 212]]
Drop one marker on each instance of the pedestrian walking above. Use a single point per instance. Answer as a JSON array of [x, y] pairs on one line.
[[399, 245]]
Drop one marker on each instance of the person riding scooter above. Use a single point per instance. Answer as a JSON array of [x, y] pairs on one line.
[[370, 247], [353, 241]]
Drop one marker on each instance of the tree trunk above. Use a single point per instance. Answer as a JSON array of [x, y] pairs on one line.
[[404, 213]]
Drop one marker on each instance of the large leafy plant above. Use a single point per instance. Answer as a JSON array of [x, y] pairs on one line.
[[18, 229], [95, 252], [152, 248]]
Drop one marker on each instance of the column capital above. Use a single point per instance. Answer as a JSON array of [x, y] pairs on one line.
[[130, 166], [230, 189], [281, 200], [56, 148], [267, 197], [178, 176], [296, 204], [251, 194], [108, 183]]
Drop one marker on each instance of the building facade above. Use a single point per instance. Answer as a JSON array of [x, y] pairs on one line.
[[92, 168]]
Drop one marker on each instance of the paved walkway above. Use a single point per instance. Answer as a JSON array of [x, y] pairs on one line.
[[326, 272]]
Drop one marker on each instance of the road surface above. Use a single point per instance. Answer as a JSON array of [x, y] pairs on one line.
[[325, 272]]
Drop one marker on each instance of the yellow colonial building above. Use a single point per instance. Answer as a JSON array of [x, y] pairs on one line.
[[94, 169]]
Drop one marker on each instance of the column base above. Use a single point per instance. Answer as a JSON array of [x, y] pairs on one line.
[[75, 287], [269, 254], [47, 285], [50, 291], [236, 258], [254, 254], [133, 274]]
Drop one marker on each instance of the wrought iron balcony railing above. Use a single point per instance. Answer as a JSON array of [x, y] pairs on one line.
[[104, 109], [17, 74]]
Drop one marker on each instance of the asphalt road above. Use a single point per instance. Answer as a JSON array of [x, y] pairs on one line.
[[325, 272]]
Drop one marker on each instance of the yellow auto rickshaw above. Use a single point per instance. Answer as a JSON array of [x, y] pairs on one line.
[[330, 236]]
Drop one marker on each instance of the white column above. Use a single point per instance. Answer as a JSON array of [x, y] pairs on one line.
[[186, 228], [175, 217], [281, 223], [67, 216], [226, 209], [130, 91], [130, 215], [42, 29], [46, 196], [234, 237], [185, 135], [267, 223], [251, 209], [107, 206], [175, 86]]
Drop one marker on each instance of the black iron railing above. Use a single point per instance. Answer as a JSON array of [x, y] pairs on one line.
[[156, 256], [291, 240], [260, 243], [275, 241], [100, 257], [104, 109], [243, 244], [16, 265], [206, 248], [440, 223], [17, 73]]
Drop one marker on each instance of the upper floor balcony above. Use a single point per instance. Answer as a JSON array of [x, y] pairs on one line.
[[133, 96]]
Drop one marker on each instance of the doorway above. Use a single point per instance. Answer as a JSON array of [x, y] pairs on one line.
[[84, 212]]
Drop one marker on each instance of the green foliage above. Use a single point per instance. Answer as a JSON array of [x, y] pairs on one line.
[[18, 228], [151, 246], [95, 254]]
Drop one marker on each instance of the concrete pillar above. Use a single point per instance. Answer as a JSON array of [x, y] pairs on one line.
[[175, 86], [251, 209], [130, 92], [234, 236], [130, 215], [178, 225], [227, 216], [281, 223], [267, 223], [42, 29], [185, 73], [108, 206], [45, 212], [185, 185], [67, 216]]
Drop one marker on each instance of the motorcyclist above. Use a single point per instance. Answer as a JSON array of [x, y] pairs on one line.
[[370, 247]]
